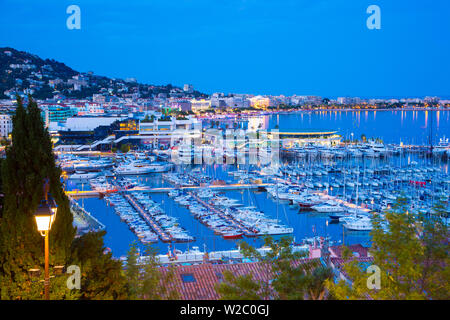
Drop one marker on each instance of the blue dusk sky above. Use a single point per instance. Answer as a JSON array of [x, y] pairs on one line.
[[305, 47]]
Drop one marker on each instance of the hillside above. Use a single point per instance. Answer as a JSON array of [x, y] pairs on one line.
[[25, 73]]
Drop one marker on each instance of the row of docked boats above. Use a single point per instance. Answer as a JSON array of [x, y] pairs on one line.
[[373, 188], [228, 217], [89, 167], [168, 227], [187, 178], [129, 215], [369, 149]]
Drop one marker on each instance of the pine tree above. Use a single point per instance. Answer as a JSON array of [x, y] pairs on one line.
[[148, 281], [154, 284], [29, 160], [132, 271]]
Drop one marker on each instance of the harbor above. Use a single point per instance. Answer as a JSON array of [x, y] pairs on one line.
[[315, 189]]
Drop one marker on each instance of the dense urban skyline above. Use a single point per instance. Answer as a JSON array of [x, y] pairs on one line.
[[289, 47]]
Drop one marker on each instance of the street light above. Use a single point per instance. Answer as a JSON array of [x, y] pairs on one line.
[[45, 216]]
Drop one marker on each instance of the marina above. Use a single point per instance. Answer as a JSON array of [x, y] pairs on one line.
[[314, 189]]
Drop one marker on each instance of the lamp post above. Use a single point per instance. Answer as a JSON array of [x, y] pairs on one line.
[[45, 215]]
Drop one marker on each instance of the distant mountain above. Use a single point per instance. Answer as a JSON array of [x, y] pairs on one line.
[[25, 73]]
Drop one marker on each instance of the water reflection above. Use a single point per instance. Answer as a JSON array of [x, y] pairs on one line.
[[391, 126]]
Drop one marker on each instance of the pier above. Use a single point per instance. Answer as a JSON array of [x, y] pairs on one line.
[[247, 231], [156, 228], [94, 193]]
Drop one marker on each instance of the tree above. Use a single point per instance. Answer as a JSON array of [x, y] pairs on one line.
[[155, 283], [293, 278], [412, 254], [316, 282], [125, 148], [29, 160], [102, 277], [132, 271], [239, 287], [4, 142], [147, 281]]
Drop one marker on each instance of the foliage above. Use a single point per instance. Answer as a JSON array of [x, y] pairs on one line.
[[29, 160], [124, 148], [239, 287], [412, 254], [292, 278], [147, 281], [155, 284], [102, 276]]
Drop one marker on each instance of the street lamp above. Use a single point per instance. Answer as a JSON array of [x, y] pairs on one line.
[[45, 216]]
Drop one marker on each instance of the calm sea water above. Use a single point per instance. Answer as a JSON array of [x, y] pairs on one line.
[[391, 126], [409, 127]]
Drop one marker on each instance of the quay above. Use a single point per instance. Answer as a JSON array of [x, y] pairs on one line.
[[195, 256], [83, 219]]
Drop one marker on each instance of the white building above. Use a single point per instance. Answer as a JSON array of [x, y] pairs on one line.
[[188, 88], [199, 105], [89, 123], [5, 125], [168, 131]]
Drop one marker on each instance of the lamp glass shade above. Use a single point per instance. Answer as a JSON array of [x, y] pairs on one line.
[[44, 215], [43, 222]]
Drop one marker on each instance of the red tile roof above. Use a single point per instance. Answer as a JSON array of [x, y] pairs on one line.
[[208, 275], [336, 251]]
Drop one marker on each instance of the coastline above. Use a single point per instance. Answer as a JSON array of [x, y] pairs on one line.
[[267, 112]]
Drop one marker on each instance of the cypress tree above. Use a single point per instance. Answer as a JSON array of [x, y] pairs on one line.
[[29, 160]]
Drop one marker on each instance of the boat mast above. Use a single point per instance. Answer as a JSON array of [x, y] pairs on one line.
[[431, 132]]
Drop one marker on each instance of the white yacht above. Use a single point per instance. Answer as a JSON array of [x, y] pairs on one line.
[[362, 224], [80, 175], [328, 208], [142, 168]]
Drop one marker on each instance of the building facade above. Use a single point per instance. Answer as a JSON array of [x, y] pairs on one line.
[[5, 125]]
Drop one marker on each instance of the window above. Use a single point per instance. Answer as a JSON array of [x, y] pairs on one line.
[[188, 277]]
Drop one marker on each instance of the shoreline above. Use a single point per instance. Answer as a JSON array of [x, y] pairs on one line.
[[266, 112]]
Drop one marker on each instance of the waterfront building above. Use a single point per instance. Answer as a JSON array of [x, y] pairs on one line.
[[200, 105], [260, 102], [289, 139], [168, 130], [237, 102]]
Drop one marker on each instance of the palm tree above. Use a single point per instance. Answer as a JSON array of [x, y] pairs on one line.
[[316, 282]]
